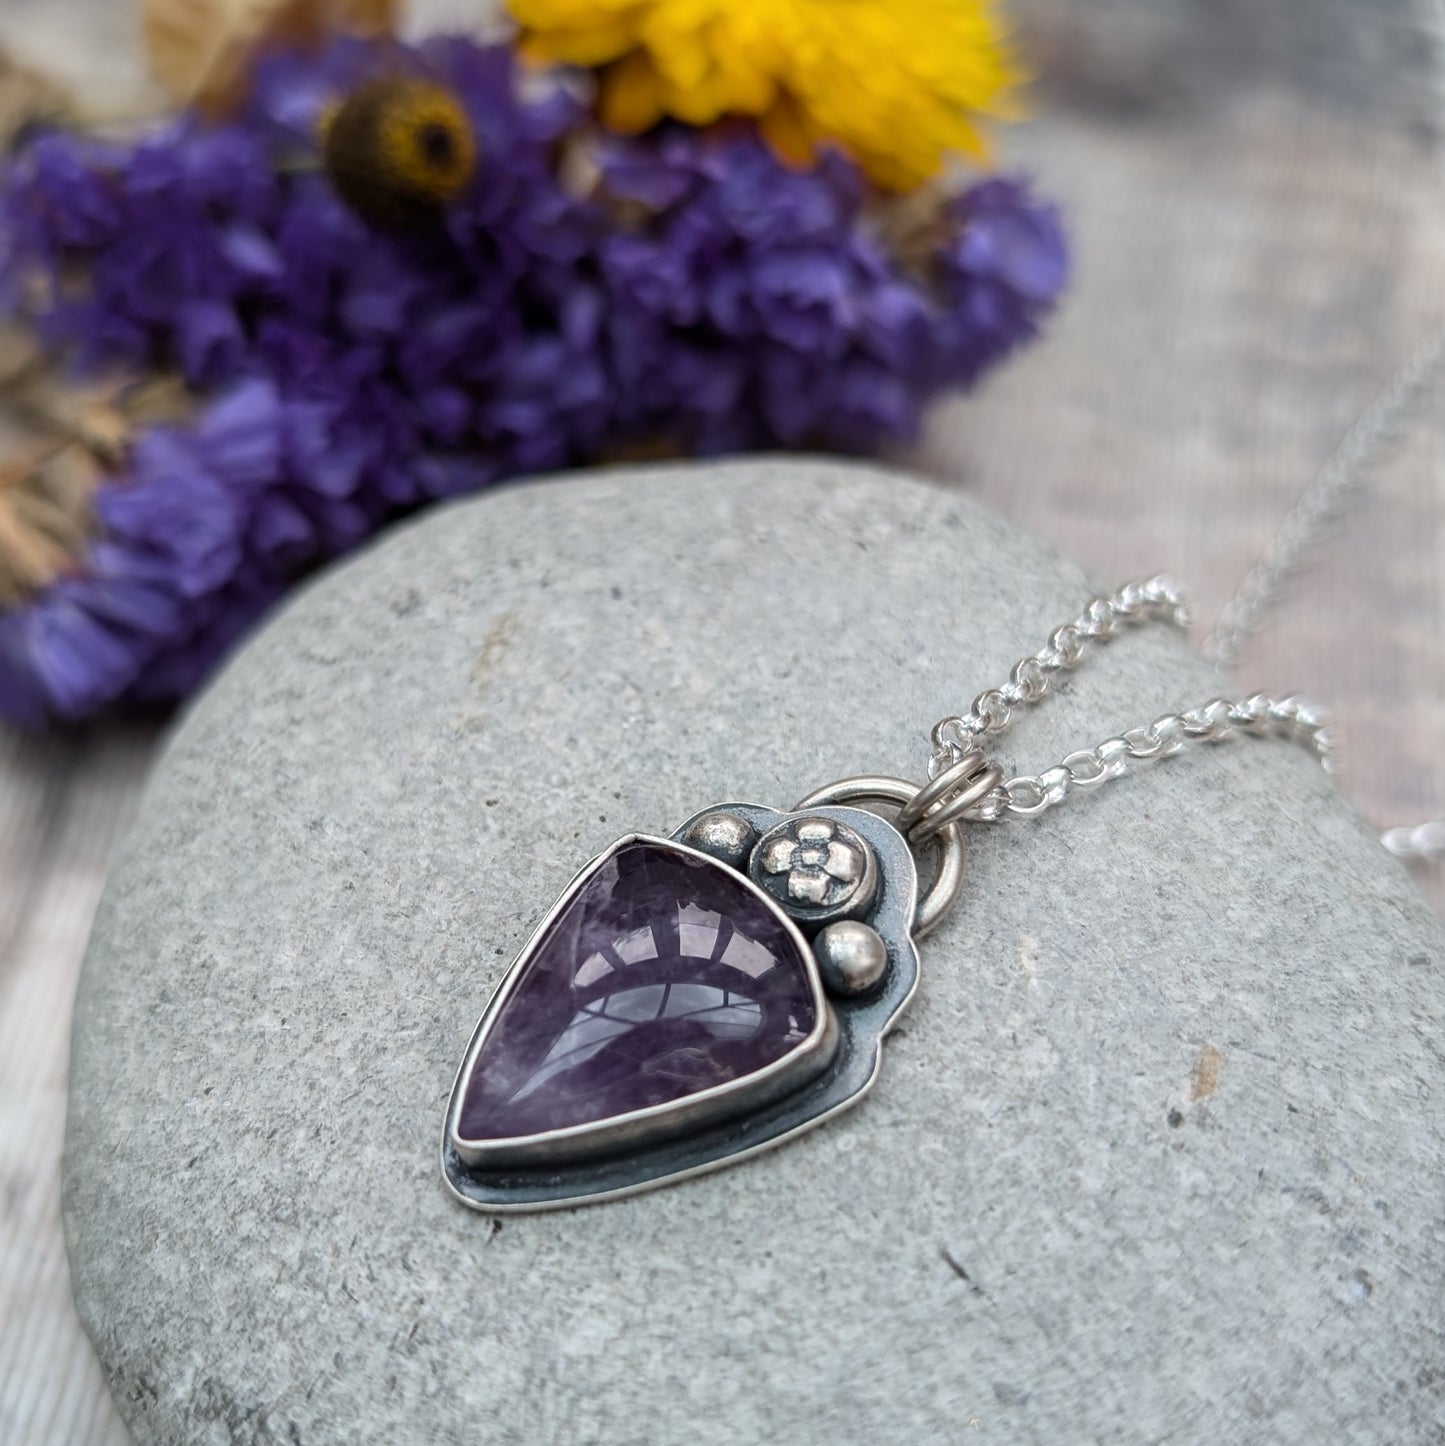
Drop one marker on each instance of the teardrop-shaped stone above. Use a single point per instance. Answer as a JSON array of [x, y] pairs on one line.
[[666, 974]]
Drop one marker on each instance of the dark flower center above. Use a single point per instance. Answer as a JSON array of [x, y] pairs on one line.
[[398, 149], [438, 145]]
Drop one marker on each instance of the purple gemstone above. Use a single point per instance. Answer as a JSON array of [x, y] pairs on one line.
[[665, 975]]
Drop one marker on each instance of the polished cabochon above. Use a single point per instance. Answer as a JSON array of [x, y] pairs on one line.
[[668, 1015]]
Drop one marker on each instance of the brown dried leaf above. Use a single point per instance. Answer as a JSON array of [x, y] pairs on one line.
[[25, 97], [19, 354], [100, 416], [200, 49], [44, 518], [66, 411], [913, 226], [157, 400], [62, 435], [369, 17]]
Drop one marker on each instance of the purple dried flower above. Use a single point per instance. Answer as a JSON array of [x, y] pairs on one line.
[[1003, 269], [706, 295], [828, 341]]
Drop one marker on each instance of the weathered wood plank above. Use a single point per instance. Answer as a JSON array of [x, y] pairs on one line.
[[63, 806]]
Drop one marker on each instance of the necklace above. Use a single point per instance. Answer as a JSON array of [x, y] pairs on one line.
[[1317, 514], [695, 998]]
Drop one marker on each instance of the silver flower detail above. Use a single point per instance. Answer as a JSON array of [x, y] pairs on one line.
[[822, 868]]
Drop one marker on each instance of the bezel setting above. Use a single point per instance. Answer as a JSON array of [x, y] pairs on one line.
[[655, 1122], [672, 1142]]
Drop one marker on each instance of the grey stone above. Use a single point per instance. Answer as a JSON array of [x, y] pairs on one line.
[[1157, 1152]]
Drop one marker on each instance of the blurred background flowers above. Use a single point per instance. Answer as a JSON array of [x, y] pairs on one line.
[[370, 274]]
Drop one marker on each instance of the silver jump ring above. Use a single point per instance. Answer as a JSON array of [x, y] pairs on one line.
[[947, 798], [949, 813], [954, 776], [879, 788]]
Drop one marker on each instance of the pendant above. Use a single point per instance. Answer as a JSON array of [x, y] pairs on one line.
[[691, 1000]]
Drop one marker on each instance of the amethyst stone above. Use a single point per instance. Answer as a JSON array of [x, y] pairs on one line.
[[664, 975]]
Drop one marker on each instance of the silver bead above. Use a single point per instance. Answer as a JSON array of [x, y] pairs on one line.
[[723, 835], [851, 957]]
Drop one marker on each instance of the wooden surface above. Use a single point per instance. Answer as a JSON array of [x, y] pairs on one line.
[[62, 808], [1258, 204]]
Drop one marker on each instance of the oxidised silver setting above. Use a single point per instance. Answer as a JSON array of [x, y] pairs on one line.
[[852, 957], [637, 1128], [815, 870], [647, 1158], [868, 992], [724, 836], [879, 788]]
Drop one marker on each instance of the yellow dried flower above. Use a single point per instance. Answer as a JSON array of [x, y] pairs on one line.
[[901, 84], [398, 149]]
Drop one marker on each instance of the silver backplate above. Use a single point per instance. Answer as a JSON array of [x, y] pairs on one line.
[[862, 1024]]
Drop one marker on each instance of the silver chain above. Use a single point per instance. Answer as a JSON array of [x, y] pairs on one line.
[[1154, 600], [1424, 841], [1320, 508], [1345, 477]]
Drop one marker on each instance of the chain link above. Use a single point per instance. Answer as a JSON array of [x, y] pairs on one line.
[[1424, 841], [1212, 722], [1153, 600], [1347, 476]]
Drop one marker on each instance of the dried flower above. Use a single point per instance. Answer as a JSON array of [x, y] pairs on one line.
[[200, 49], [701, 292], [27, 100], [901, 84], [755, 308], [398, 148], [1000, 265], [39, 532]]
